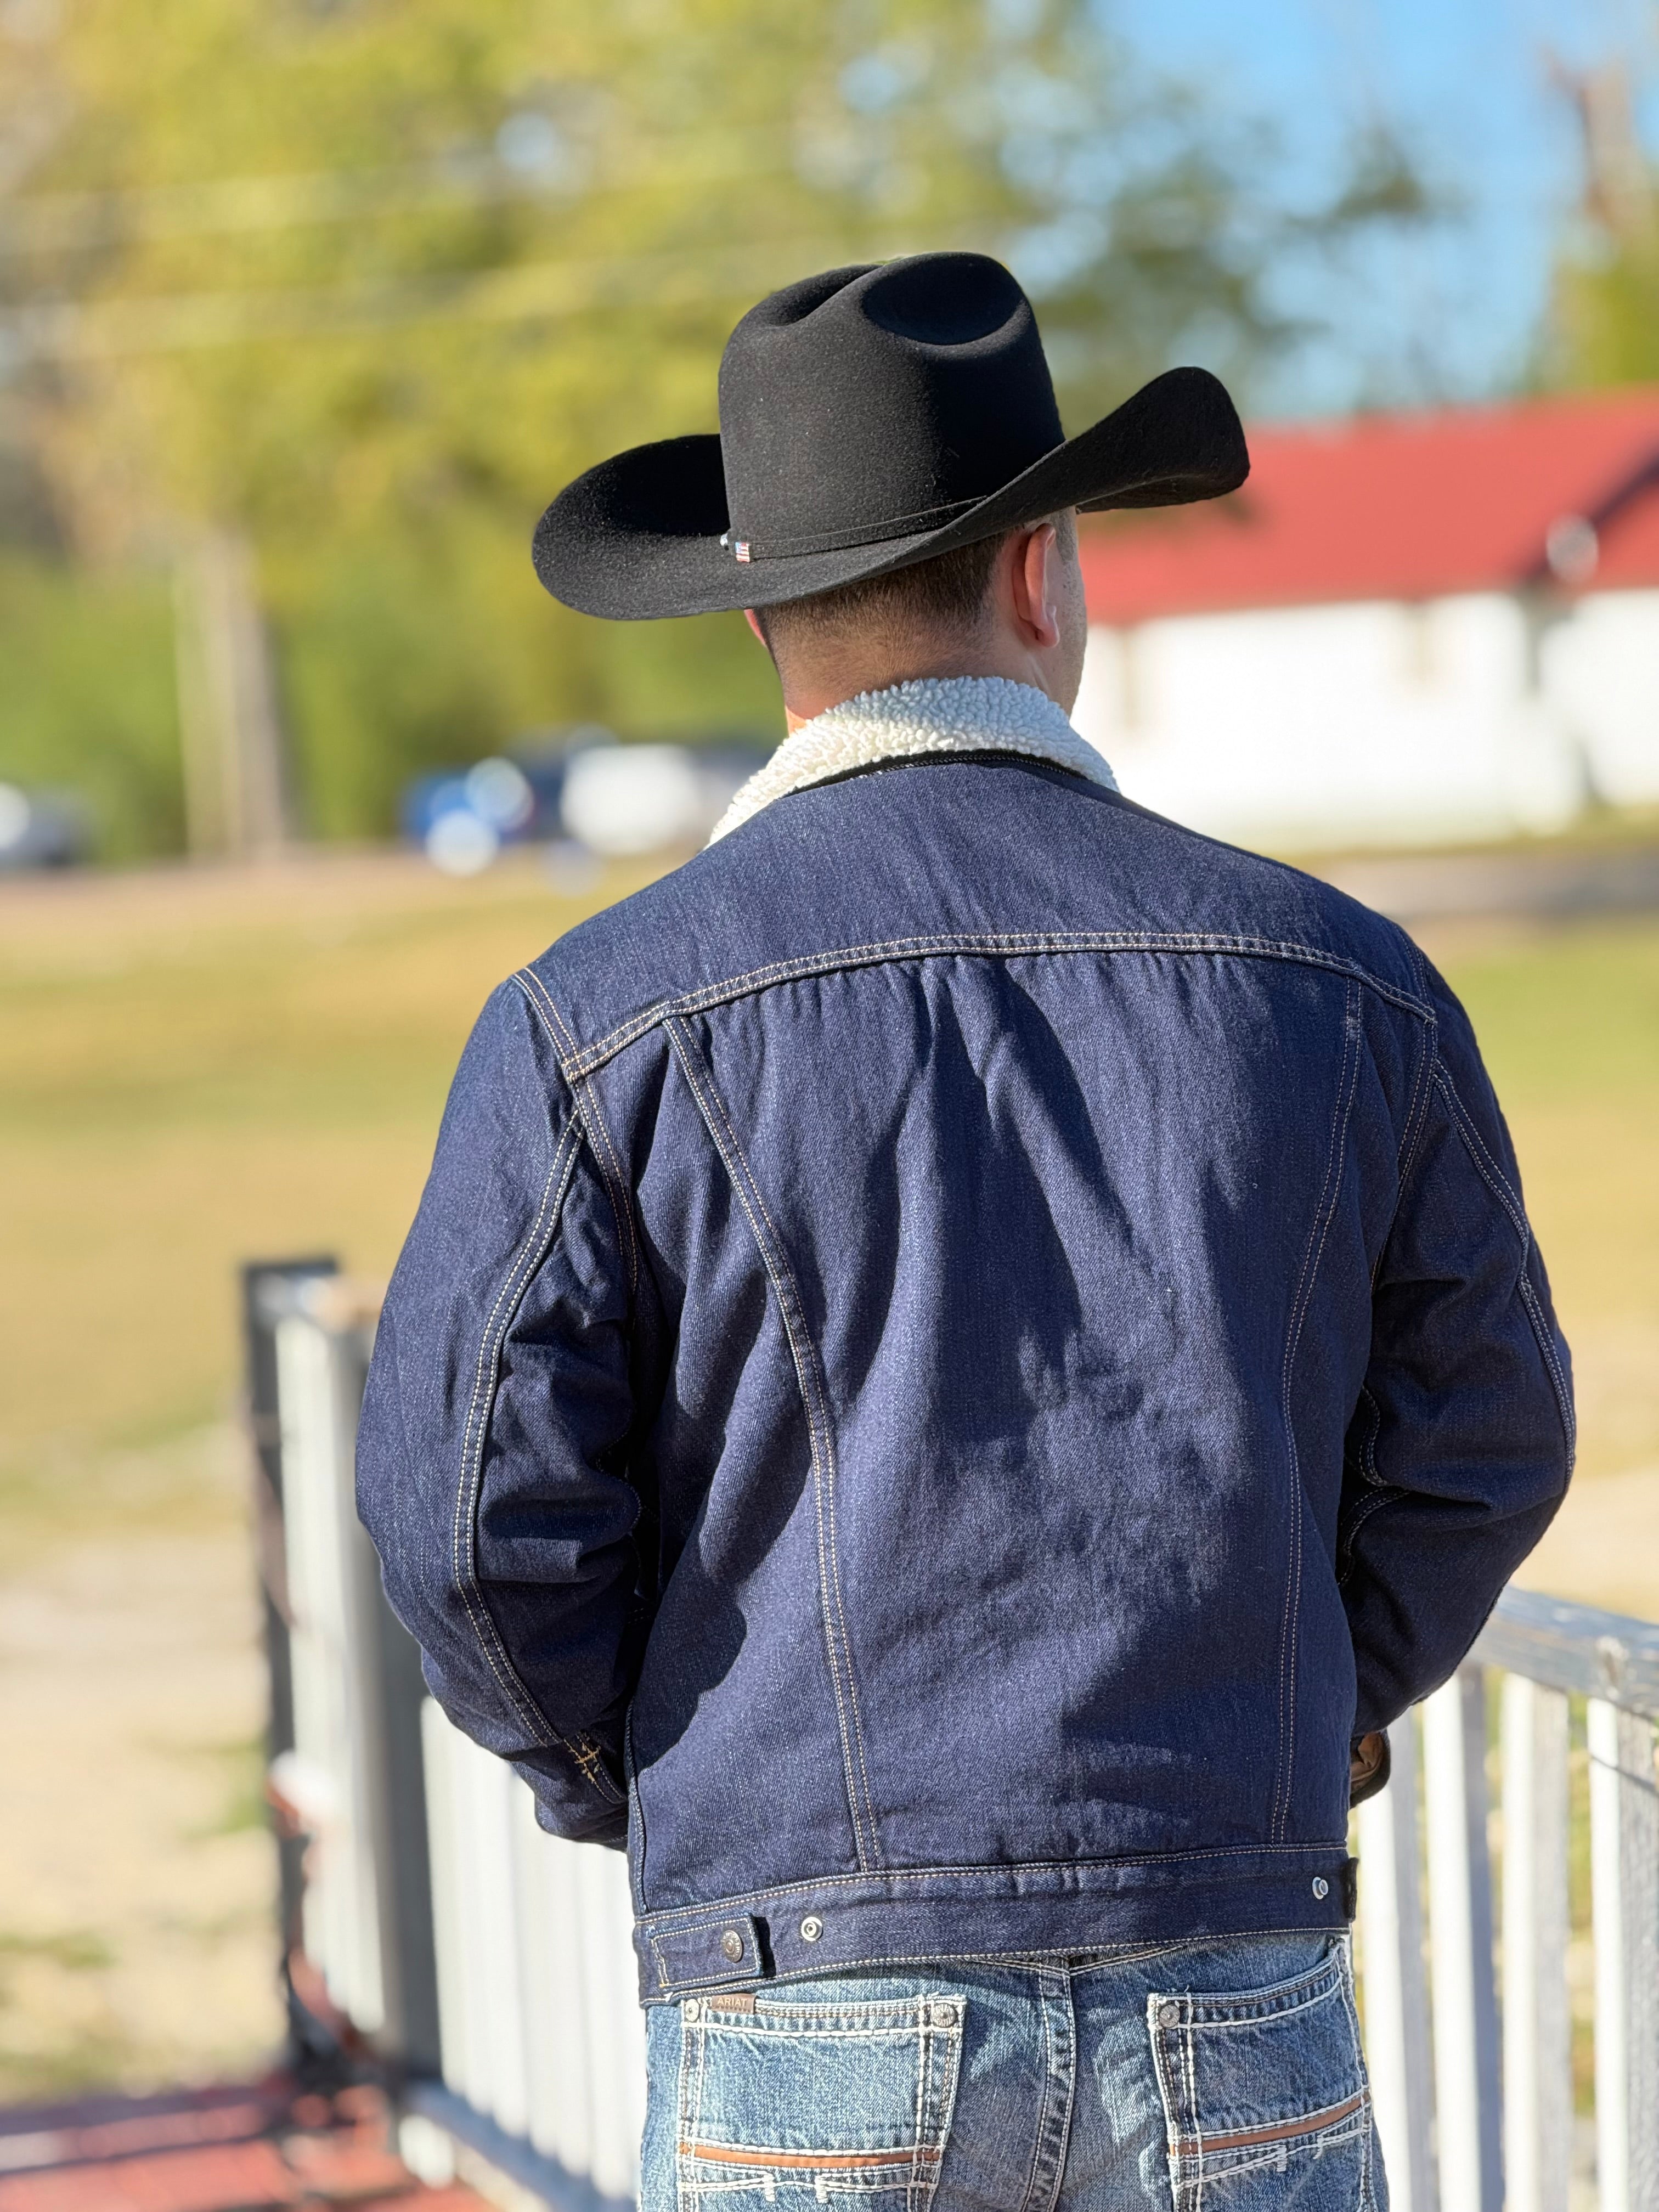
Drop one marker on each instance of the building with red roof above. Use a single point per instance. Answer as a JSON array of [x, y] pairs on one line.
[[1402, 628]]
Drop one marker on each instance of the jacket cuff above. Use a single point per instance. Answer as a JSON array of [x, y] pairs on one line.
[[574, 1799]]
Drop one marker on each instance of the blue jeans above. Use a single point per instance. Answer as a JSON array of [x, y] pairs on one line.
[[1220, 2075]]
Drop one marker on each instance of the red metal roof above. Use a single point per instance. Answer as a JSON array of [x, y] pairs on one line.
[[1396, 506]]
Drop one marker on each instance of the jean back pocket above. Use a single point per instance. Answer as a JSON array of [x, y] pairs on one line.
[[800, 2103], [1266, 2103]]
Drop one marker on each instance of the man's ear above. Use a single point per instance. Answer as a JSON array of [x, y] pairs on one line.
[[1034, 583], [753, 621]]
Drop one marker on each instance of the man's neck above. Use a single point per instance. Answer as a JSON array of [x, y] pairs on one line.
[[811, 692]]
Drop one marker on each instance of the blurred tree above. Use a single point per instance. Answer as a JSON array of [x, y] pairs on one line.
[[1604, 324], [87, 699], [368, 282]]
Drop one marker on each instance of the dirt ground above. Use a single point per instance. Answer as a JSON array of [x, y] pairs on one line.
[[198, 1069], [136, 1939]]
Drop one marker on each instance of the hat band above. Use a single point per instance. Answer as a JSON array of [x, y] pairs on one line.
[[837, 541]]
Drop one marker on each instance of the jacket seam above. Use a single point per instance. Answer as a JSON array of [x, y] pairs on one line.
[[637, 1818], [1356, 1522], [610, 1164], [1417, 1112], [1417, 1116], [668, 1918], [719, 1104], [821, 1444], [1368, 1451], [1382, 1491], [1335, 1152], [1509, 1201], [821, 1440], [582, 1060], [464, 1534], [1091, 1960], [1411, 1133]]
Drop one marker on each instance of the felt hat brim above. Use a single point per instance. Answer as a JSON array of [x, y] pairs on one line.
[[641, 535]]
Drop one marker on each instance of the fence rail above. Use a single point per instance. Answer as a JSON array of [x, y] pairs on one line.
[[490, 1965]]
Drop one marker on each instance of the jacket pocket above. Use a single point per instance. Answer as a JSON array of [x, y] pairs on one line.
[[800, 2103], [1266, 2102]]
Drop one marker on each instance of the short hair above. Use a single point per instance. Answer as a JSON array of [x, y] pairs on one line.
[[945, 593]]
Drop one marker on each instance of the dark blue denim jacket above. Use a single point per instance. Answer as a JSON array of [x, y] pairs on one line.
[[956, 1350]]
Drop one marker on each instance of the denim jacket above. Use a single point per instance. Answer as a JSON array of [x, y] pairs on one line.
[[956, 1350]]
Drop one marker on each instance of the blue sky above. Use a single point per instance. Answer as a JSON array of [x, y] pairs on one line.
[[1464, 84]]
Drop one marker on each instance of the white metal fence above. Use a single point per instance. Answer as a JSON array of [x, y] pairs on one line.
[[1491, 2121], [491, 1963], [539, 2015]]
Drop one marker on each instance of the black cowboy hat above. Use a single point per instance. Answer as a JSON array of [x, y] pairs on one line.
[[871, 417]]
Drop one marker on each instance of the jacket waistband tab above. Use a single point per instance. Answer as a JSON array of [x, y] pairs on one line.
[[943, 1912]]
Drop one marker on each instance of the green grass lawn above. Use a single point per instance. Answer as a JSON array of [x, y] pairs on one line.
[[1570, 1024], [200, 1070]]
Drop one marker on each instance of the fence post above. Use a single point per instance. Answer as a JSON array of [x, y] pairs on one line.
[[561, 2057], [1396, 1985], [499, 2085], [441, 1747], [1624, 1890], [393, 1693], [1537, 2025], [269, 1289], [1468, 2086], [615, 2023], [353, 1676]]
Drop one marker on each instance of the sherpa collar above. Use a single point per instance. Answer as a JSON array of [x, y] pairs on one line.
[[934, 714]]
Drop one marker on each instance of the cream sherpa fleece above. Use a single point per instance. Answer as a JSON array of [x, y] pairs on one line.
[[934, 714]]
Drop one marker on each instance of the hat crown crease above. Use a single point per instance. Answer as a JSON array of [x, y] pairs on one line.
[[906, 394]]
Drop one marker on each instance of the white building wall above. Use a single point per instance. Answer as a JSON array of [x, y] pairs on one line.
[[1600, 669], [1379, 723]]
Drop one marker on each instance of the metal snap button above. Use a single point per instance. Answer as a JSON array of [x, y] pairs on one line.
[[811, 1929], [693, 2009], [1321, 1888], [943, 2015], [1168, 2013], [732, 1944]]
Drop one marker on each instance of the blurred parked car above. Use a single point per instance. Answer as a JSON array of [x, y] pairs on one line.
[[463, 816], [42, 830], [580, 788], [622, 800]]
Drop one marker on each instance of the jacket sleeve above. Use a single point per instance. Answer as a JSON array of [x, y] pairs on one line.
[[1461, 1447], [491, 1444]]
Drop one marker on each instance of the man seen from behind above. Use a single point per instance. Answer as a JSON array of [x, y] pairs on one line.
[[965, 1352]]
